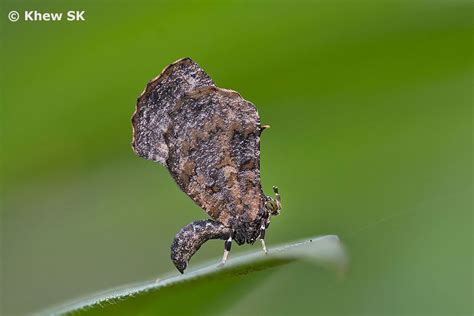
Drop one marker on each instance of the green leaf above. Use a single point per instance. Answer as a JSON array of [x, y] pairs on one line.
[[141, 298]]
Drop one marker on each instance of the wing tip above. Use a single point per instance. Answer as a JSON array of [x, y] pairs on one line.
[[163, 74], [148, 88]]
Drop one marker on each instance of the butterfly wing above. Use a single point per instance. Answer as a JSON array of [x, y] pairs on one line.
[[151, 120], [214, 153], [208, 138]]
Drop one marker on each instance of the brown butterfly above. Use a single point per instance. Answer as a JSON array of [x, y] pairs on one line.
[[209, 139]]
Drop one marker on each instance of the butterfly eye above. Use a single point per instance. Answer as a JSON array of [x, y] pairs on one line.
[[271, 205]]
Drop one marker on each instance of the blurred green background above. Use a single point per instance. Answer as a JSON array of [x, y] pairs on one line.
[[370, 104]]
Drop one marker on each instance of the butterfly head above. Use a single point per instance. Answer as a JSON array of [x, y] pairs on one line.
[[273, 205]]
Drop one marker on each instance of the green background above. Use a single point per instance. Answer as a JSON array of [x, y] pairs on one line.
[[370, 107]]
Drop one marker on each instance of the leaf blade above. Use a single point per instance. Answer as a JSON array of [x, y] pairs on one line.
[[326, 251]]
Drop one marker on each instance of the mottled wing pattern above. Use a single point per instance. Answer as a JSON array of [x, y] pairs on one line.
[[214, 153], [151, 120]]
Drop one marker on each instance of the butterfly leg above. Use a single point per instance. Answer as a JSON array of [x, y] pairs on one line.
[[227, 246], [263, 228]]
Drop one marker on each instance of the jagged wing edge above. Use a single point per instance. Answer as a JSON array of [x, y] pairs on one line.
[[148, 88]]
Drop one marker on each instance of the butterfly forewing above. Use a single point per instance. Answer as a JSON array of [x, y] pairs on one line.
[[151, 118]]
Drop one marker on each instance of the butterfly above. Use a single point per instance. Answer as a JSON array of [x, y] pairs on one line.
[[209, 140]]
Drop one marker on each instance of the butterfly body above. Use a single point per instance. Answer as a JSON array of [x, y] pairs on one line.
[[209, 139]]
